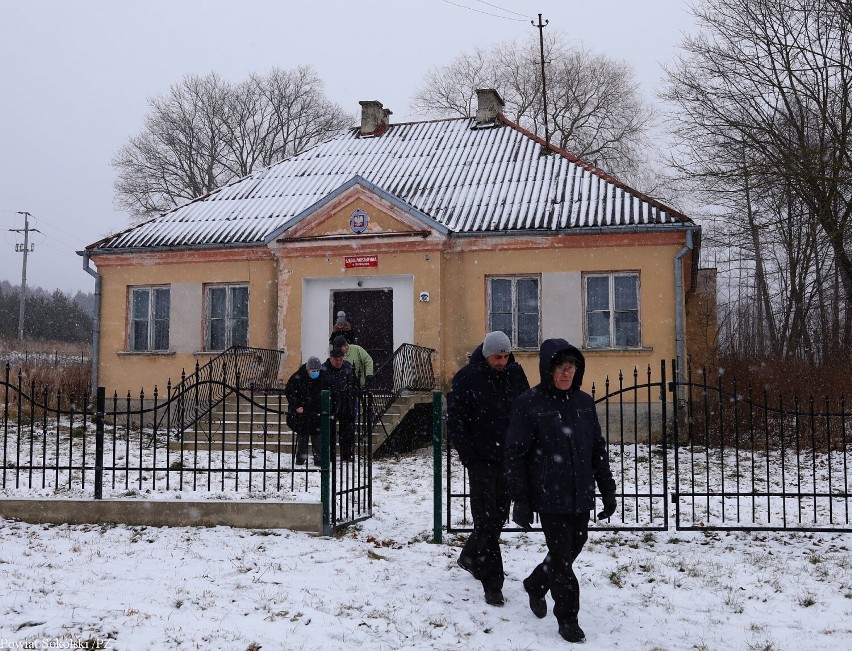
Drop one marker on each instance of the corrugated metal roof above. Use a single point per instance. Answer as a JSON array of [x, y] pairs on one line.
[[468, 178]]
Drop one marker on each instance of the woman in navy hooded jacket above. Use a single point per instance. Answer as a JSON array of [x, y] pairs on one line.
[[555, 453]]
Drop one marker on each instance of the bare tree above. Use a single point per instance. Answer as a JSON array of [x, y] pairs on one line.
[[595, 109], [300, 114], [451, 90], [176, 157], [205, 132], [764, 90]]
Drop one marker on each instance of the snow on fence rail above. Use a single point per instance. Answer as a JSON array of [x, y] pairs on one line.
[[701, 458], [707, 457]]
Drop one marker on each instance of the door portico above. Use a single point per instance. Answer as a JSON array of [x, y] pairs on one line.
[[317, 309]]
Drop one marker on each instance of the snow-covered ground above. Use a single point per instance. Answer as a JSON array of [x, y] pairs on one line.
[[383, 584]]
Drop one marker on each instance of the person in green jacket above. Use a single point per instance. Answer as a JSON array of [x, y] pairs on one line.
[[357, 356]]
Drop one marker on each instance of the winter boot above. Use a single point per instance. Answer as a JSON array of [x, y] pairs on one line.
[[538, 605], [570, 630], [494, 597], [466, 563]]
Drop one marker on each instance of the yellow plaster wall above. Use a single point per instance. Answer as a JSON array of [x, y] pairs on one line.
[[312, 262], [122, 371], [465, 295]]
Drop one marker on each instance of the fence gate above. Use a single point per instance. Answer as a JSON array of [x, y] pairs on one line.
[[352, 479], [236, 443], [702, 456]]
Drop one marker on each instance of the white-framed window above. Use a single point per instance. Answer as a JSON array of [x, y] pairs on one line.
[[514, 308], [612, 310], [149, 318], [226, 321]]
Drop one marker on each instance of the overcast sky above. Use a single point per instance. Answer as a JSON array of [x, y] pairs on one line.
[[75, 77]]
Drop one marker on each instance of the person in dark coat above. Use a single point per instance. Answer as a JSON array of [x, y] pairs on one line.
[[343, 328], [304, 391], [479, 406], [555, 453], [339, 379]]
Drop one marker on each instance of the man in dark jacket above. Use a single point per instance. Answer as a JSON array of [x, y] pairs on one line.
[[303, 391], [479, 406], [339, 378], [555, 453]]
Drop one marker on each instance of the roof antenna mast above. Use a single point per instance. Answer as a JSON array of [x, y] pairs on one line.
[[541, 26]]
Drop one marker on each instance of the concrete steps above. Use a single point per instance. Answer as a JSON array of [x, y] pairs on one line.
[[261, 425]]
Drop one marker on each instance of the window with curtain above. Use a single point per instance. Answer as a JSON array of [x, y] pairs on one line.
[[226, 316], [149, 318], [513, 307], [612, 310]]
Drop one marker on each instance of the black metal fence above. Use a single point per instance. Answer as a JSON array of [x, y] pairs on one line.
[[203, 390], [144, 447], [706, 455]]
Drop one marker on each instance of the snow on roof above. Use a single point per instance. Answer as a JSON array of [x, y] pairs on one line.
[[466, 178]]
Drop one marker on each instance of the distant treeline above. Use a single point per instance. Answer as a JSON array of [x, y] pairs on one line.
[[50, 316]]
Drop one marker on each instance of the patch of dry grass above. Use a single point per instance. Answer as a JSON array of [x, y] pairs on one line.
[[46, 370]]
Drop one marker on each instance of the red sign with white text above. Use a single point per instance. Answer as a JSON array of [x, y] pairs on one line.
[[361, 261]]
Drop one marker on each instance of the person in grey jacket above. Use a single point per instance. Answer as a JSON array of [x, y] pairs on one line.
[[555, 453]]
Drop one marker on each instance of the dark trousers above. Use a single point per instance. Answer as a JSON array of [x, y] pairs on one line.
[[311, 430], [343, 430], [489, 506], [565, 536]]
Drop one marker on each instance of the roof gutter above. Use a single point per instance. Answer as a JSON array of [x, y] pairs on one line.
[[680, 312], [96, 325], [579, 230], [166, 248]]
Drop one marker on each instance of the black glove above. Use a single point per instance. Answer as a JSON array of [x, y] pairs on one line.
[[609, 506], [522, 515]]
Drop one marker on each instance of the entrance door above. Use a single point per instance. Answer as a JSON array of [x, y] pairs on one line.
[[370, 311]]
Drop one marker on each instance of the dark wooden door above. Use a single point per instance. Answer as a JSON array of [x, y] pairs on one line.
[[370, 311]]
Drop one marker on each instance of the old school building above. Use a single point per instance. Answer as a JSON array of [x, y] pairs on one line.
[[428, 233]]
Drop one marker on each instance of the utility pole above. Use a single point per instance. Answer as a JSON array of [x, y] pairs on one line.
[[24, 248], [541, 26]]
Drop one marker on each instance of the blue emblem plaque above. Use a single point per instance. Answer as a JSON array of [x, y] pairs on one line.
[[358, 221]]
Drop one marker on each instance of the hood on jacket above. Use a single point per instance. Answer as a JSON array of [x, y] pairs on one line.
[[550, 348]]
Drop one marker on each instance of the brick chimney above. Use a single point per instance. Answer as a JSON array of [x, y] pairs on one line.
[[489, 104], [374, 118]]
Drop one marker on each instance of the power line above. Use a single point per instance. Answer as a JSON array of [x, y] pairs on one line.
[[63, 243], [479, 11], [65, 251], [508, 11], [53, 226]]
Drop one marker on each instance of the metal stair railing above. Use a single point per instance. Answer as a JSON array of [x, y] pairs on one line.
[[209, 385], [411, 369]]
